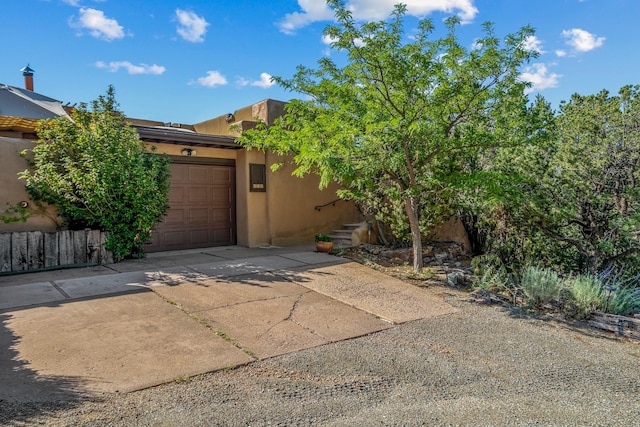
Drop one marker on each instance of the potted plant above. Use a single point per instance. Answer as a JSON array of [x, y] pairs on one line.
[[324, 243]]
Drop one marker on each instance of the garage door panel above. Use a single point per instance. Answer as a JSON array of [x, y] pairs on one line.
[[199, 195], [175, 217], [201, 208], [199, 217], [200, 236], [221, 196], [222, 234], [222, 176], [177, 195], [221, 217]]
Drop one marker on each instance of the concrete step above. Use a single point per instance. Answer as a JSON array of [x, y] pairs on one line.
[[351, 226]]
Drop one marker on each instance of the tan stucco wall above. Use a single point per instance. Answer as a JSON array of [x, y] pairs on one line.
[[252, 215], [451, 230], [267, 110], [294, 218], [12, 189]]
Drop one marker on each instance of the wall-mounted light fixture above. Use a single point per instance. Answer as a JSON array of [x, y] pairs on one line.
[[188, 152], [230, 118]]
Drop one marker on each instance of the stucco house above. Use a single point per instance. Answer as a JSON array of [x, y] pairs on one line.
[[220, 193]]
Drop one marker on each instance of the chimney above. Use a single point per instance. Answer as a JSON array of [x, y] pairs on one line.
[[27, 72]]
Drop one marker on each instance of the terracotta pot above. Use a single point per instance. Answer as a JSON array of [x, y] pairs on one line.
[[324, 246]]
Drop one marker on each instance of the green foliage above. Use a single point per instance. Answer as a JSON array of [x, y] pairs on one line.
[[98, 174], [567, 198], [624, 301], [541, 285], [587, 293], [323, 238], [15, 213], [392, 124], [490, 274]]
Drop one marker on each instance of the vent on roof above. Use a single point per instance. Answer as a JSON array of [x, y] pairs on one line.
[[27, 72]]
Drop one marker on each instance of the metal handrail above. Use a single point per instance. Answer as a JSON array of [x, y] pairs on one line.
[[332, 203]]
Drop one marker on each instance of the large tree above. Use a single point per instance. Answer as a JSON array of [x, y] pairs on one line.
[[98, 174], [391, 121], [587, 183]]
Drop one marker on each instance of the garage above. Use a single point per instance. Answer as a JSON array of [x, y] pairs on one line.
[[201, 206]]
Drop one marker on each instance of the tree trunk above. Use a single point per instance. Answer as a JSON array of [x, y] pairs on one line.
[[411, 208]]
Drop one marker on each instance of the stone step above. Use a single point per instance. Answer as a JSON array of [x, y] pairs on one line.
[[342, 233], [352, 226]]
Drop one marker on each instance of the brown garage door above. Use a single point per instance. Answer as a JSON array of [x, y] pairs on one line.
[[201, 208]]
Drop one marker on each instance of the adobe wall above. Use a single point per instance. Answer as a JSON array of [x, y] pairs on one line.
[[291, 205], [12, 189]]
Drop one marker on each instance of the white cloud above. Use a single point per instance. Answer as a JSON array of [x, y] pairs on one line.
[[560, 53], [328, 39], [532, 43], [114, 66], [312, 11], [242, 82], [264, 82], [581, 40], [539, 76], [99, 26], [212, 79], [191, 27], [316, 10]]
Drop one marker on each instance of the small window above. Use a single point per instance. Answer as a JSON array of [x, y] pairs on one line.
[[257, 177]]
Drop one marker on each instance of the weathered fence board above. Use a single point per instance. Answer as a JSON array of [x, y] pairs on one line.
[[65, 247], [79, 248], [34, 250], [51, 252], [19, 251], [105, 254], [5, 252], [93, 247]]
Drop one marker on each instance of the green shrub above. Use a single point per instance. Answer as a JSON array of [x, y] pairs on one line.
[[624, 301], [605, 292], [541, 285], [98, 174], [587, 293]]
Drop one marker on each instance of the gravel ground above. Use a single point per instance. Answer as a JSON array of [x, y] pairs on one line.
[[482, 366]]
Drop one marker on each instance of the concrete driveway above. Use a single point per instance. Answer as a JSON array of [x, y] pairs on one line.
[[71, 333]]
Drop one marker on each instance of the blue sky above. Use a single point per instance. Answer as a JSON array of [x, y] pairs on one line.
[[190, 60]]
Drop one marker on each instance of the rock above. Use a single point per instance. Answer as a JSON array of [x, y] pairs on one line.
[[459, 279]]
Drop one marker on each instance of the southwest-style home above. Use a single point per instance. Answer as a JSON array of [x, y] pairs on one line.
[[220, 193]]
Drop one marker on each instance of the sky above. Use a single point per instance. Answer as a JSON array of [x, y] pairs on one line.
[[186, 61]]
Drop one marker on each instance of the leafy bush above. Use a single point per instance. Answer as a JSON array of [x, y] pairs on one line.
[[541, 285], [98, 174], [587, 293], [490, 274], [624, 301]]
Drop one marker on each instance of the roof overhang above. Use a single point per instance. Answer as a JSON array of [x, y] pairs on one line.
[[18, 124], [168, 135]]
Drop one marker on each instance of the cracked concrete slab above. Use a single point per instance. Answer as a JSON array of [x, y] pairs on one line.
[[374, 292], [29, 294], [100, 285], [285, 324], [110, 344], [98, 333], [214, 293], [245, 266]]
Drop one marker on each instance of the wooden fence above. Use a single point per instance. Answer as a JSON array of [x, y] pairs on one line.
[[35, 250]]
